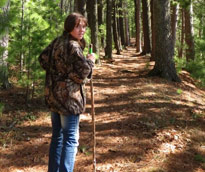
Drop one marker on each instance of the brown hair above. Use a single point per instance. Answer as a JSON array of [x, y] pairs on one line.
[[72, 20]]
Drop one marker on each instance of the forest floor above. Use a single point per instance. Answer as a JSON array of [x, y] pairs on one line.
[[143, 124]]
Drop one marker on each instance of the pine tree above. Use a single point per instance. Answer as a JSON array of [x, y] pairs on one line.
[[164, 50]]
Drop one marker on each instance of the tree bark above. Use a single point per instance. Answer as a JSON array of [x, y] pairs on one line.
[[164, 64], [153, 31], [118, 24], [115, 31], [65, 5], [189, 35], [22, 60], [93, 23], [146, 31], [61, 6], [80, 6], [4, 44], [108, 48], [127, 30], [174, 17], [101, 22], [181, 48], [138, 25], [121, 23], [71, 6]]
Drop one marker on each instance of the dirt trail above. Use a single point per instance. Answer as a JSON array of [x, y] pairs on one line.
[[142, 124]]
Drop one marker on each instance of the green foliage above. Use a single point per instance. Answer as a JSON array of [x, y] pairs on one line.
[[30, 31], [198, 115], [29, 117], [102, 29], [196, 66], [200, 47], [84, 149], [199, 158], [3, 22], [3, 2], [197, 70], [131, 14], [87, 40], [180, 64], [179, 91], [184, 3]]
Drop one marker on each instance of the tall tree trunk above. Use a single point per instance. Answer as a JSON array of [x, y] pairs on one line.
[[89, 12], [80, 6], [61, 6], [121, 23], [138, 25], [101, 22], [145, 21], [181, 48], [22, 28], [153, 31], [189, 35], [93, 23], [71, 6], [4, 44], [108, 48], [127, 30], [115, 31], [65, 6], [174, 17], [118, 24], [164, 64]]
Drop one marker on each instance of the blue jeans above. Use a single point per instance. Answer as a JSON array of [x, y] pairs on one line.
[[64, 142]]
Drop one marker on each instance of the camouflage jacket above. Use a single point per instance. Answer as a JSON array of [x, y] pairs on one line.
[[66, 72]]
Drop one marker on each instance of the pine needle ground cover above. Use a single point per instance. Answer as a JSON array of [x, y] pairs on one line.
[[143, 124]]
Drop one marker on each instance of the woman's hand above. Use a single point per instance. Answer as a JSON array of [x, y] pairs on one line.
[[91, 57]]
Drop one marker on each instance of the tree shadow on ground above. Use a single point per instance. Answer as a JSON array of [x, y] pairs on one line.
[[140, 122], [151, 114], [28, 148]]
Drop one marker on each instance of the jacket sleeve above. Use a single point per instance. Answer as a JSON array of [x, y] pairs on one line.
[[82, 67], [44, 56]]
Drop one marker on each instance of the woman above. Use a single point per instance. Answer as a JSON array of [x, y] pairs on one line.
[[66, 72]]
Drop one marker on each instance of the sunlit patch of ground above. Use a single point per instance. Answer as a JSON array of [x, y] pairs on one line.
[[142, 124]]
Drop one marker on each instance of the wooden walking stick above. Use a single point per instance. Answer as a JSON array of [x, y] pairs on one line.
[[93, 115]]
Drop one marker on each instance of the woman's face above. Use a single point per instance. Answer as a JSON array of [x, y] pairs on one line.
[[79, 31]]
